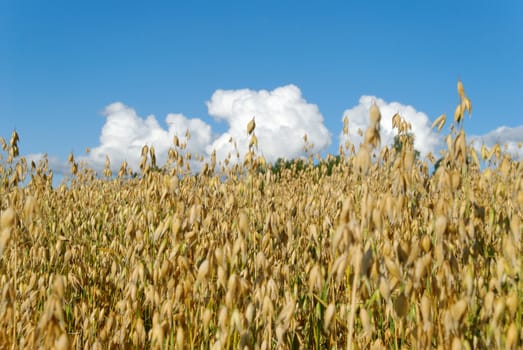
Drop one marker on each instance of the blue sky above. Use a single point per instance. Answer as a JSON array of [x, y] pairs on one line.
[[62, 63]]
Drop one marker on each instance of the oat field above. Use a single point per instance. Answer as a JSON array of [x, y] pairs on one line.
[[374, 249]]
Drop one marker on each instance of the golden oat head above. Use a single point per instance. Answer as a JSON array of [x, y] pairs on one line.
[[439, 122], [250, 126], [461, 89]]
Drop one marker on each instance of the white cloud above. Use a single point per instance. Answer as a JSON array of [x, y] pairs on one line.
[[282, 117], [125, 133], [425, 141], [509, 138]]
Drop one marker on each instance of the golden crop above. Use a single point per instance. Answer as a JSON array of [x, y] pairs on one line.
[[373, 253]]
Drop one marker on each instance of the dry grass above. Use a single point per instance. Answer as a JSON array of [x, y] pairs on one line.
[[379, 254]]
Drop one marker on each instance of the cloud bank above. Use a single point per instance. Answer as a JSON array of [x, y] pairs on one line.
[[425, 141], [282, 115]]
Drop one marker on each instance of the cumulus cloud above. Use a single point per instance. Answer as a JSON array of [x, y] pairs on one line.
[[282, 117], [509, 138], [125, 133], [425, 139]]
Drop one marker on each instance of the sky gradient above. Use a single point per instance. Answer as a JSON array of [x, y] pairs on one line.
[[63, 64]]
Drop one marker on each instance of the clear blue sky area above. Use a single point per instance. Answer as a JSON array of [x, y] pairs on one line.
[[63, 62]]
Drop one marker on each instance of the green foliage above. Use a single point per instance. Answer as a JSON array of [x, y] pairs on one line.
[[297, 166], [401, 140]]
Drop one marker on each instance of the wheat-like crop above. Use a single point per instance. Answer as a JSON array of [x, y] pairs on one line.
[[356, 251]]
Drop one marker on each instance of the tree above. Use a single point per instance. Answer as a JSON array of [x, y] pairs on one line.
[[401, 139]]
